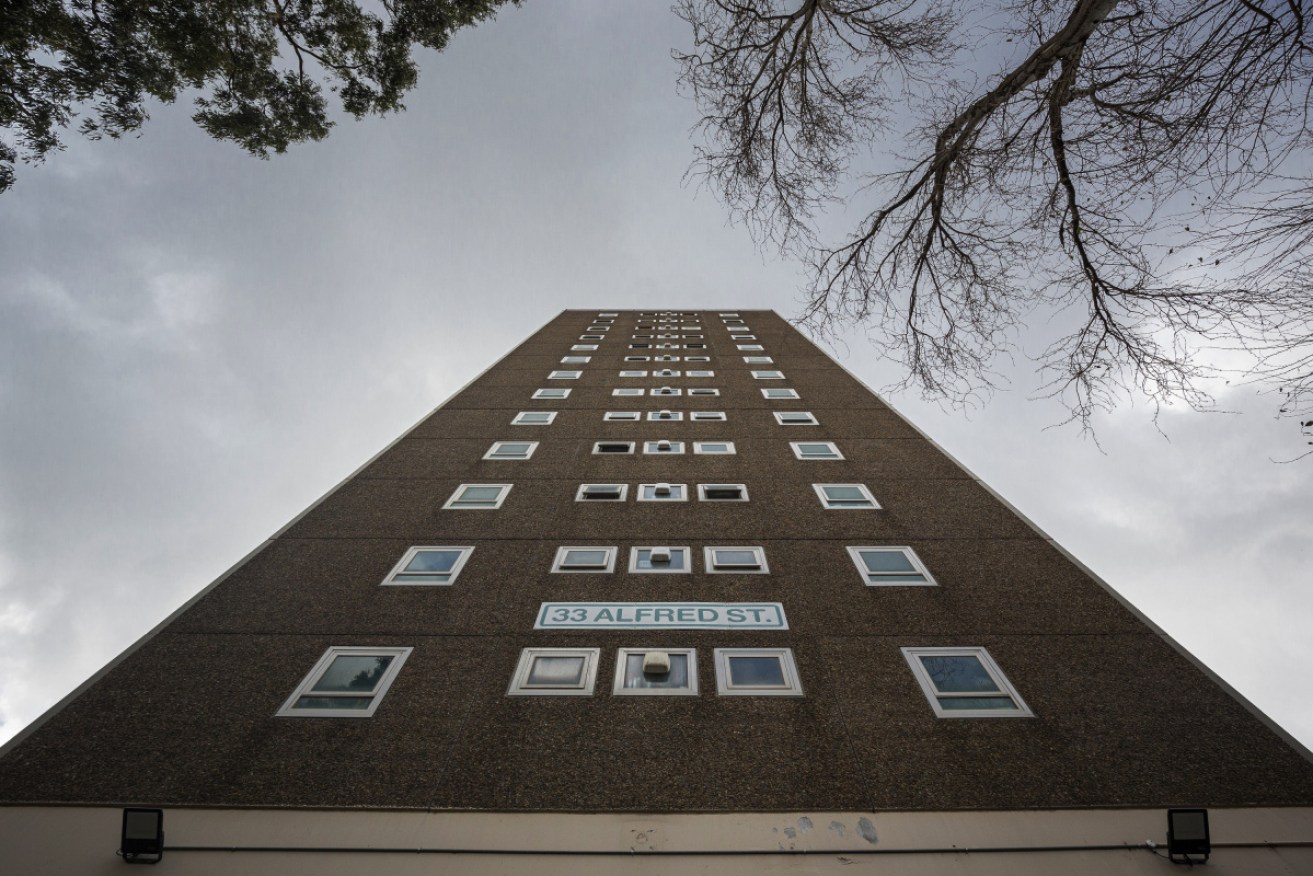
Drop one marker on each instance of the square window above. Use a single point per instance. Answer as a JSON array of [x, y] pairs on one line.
[[560, 672], [584, 559], [656, 672], [663, 492], [815, 450], [485, 497], [583, 348], [965, 683], [551, 393], [768, 375], [796, 418], [704, 391], [891, 567], [511, 450], [758, 360], [722, 493], [628, 390], [613, 447], [347, 682], [665, 372], [633, 373], [736, 560], [756, 672], [700, 373], [706, 415], [780, 393], [620, 415], [601, 493], [837, 496], [534, 418], [565, 375], [714, 448], [654, 560], [638, 358], [697, 358], [576, 360], [663, 446], [667, 390], [429, 566], [668, 416]]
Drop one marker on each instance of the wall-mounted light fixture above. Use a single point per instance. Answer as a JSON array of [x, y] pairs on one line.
[[143, 836], [1187, 834]]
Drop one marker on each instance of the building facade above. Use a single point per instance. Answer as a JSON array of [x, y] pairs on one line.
[[660, 591]]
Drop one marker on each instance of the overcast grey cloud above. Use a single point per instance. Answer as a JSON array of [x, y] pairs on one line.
[[195, 345]]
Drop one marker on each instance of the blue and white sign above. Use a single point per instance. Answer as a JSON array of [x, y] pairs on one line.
[[662, 616]]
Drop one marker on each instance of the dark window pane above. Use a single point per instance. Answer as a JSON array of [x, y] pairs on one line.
[[951, 673], [353, 672], [756, 672]]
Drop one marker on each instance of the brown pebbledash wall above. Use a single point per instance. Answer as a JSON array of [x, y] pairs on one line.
[[1121, 718]]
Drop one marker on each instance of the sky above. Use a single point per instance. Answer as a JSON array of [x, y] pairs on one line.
[[196, 345]]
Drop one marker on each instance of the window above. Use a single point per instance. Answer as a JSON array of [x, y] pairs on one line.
[[665, 372], [593, 337], [576, 360], [665, 358], [697, 358], [534, 418], [667, 390], [758, 360], [736, 560], [643, 346], [835, 496], [700, 373], [732, 315], [739, 327], [891, 566], [584, 559], [795, 418], [638, 358], [551, 393], [746, 338], [780, 393], [628, 390], [965, 683], [601, 493], [613, 447], [620, 415], [663, 446], [655, 560], [429, 565], [815, 450], [560, 672], [663, 492], [722, 493], [697, 346], [756, 672], [665, 415], [633, 373], [565, 375], [511, 450], [704, 391], [768, 375], [714, 448], [347, 682], [608, 315], [668, 346], [706, 415], [653, 672], [478, 496]]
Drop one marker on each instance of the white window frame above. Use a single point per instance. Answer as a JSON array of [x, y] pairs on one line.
[[731, 315], [767, 375], [780, 418], [592, 337], [630, 391], [638, 358], [306, 687], [620, 417], [666, 372], [565, 375], [633, 560], [682, 493], [699, 372], [708, 559], [599, 452], [579, 493], [676, 447], [396, 576], [618, 688], [607, 568], [551, 392], [775, 393], [835, 453], [826, 500], [520, 421], [874, 580], [633, 373], [933, 694], [519, 681], [726, 688], [699, 448], [702, 492], [707, 416], [666, 391], [703, 390], [697, 358], [751, 348], [451, 503], [496, 445], [657, 416], [576, 360], [608, 315], [758, 360], [665, 358]]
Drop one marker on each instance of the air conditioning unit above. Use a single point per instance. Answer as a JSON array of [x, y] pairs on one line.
[[660, 555], [656, 663]]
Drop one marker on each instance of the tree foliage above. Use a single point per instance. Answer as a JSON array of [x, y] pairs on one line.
[[259, 67], [1136, 170]]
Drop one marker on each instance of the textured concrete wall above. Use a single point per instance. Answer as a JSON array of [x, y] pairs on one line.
[[1121, 719]]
